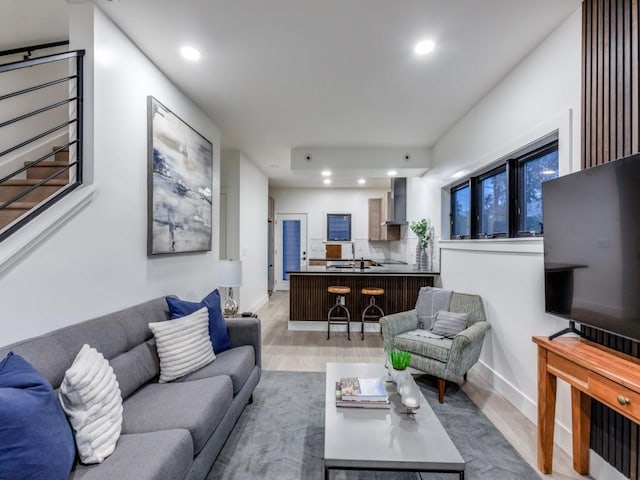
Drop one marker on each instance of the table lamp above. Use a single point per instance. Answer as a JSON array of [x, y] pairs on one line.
[[230, 275]]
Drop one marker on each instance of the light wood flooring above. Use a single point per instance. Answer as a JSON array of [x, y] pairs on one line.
[[310, 351]]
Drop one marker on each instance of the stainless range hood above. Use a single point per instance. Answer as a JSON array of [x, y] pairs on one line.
[[398, 207]]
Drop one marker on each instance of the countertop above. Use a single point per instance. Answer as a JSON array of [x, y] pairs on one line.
[[380, 270], [383, 261]]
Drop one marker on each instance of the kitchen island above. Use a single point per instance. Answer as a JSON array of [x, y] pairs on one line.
[[309, 300]]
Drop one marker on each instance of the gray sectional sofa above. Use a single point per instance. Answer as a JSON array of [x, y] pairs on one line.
[[170, 431]]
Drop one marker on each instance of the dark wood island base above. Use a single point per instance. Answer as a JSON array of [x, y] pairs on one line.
[[309, 300]]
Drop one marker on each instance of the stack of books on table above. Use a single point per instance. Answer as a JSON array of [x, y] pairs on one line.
[[361, 393]]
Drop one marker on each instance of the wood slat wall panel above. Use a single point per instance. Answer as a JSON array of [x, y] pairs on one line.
[[309, 300], [610, 130]]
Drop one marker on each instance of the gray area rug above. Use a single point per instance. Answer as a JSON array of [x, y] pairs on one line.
[[281, 436]]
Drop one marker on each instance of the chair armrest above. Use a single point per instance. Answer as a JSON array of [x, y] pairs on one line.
[[246, 331], [474, 333], [396, 324], [465, 349]]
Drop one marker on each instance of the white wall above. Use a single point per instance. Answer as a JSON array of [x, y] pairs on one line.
[[229, 187], [96, 262], [246, 190], [316, 203], [254, 205], [540, 95]]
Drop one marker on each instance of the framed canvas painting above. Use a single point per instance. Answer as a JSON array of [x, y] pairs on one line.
[[180, 177]]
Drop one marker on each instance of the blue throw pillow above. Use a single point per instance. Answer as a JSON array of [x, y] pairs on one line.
[[35, 437], [217, 325]]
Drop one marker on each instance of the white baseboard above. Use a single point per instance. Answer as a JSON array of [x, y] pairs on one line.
[[527, 406], [261, 302], [598, 467], [321, 326]]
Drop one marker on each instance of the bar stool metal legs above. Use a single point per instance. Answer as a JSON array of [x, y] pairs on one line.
[[339, 313], [372, 312]]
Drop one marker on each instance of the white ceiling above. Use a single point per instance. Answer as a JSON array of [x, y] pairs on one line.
[[281, 74]]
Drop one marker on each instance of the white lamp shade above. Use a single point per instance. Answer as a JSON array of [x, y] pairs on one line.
[[230, 273]]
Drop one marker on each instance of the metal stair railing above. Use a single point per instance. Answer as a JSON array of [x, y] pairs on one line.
[[72, 125]]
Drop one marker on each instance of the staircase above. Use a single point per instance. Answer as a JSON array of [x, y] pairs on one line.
[[43, 98], [33, 193]]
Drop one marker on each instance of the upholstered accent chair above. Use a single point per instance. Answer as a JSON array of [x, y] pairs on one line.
[[448, 359]]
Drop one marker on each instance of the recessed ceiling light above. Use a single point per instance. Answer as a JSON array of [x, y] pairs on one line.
[[190, 53], [326, 173], [361, 181], [424, 47], [327, 181], [548, 172], [392, 173]]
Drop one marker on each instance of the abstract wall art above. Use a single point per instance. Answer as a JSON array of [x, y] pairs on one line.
[[180, 179]]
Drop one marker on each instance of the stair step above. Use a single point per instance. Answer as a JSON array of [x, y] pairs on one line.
[[21, 206], [33, 181], [47, 168], [11, 188], [62, 155], [48, 163], [39, 172], [15, 211]]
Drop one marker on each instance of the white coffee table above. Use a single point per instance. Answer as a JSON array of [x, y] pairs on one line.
[[372, 439]]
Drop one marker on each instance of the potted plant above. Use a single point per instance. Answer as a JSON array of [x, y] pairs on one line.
[[399, 360], [422, 229]]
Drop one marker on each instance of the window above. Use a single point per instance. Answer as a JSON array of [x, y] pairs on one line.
[[339, 227], [534, 169], [461, 211], [493, 203], [505, 200]]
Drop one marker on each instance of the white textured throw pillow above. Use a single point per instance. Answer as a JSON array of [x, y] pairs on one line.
[[183, 344], [90, 396], [450, 324]]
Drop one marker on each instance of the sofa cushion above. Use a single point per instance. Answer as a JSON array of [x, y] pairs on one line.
[[217, 325], [136, 367], [197, 406], [35, 438], [237, 363], [435, 348], [183, 345], [52, 353], [163, 455], [449, 324]]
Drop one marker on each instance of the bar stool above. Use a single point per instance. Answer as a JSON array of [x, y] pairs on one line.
[[372, 312], [339, 313]]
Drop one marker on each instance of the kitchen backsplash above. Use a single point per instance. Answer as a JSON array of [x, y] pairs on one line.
[[403, 250]]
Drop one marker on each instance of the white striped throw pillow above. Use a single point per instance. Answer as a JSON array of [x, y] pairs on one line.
[[90, 396], [183, 345], [449, 324]]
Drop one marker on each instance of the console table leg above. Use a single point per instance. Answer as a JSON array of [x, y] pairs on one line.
[[546, 412], [580, 419]]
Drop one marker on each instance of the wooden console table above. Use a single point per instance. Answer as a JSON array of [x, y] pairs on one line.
[[593, 371]]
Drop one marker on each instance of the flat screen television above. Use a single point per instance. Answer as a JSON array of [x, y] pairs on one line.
[[592, 247]]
